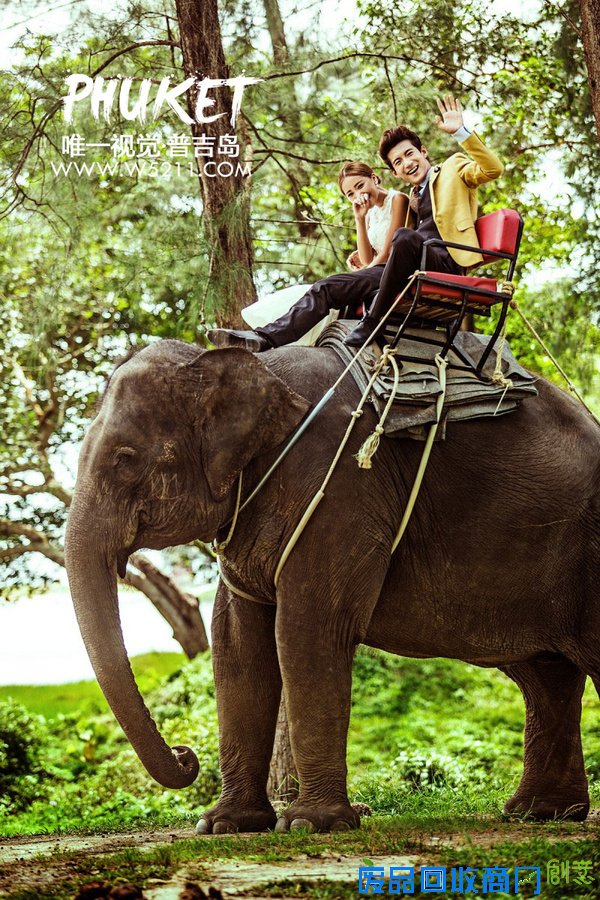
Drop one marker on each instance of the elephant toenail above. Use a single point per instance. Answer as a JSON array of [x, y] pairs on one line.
[[224, 827], [203, 826], [282, 825], [302, 825], [340, 825]]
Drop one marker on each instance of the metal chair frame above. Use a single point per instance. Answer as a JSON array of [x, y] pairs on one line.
[[467, 305]]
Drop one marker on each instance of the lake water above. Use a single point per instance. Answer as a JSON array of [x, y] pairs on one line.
[[40, 641]]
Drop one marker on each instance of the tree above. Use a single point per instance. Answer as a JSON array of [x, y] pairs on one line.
[[590, 36], [225, 200], [48, 370]]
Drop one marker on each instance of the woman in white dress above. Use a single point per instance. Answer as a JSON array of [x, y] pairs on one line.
[[378, 214]]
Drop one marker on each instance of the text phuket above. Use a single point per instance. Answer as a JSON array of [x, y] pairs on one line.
[[102, 92]]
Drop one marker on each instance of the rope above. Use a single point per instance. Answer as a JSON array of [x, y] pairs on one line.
[[357, 413], [382, 321], [219, 548], [441, 363], [371, 444], [499, 377], [546, 349], [234, 589]]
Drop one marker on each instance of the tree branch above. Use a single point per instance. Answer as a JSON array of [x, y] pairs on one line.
[[180, 610], [56, 106], [356, 54], [565, 16], [38, 542], [8, 528], [391, 87], [548, 145]]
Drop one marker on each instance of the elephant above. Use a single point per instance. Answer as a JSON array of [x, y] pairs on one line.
[[498, 566]]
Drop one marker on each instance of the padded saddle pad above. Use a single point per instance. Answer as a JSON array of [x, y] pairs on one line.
[[414, 409]]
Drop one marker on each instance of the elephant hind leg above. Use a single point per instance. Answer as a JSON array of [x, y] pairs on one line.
[[553, 784]]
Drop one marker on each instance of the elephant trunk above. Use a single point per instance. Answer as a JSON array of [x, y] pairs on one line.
[[93, 582]]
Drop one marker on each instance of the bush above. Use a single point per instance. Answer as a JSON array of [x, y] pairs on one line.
[[23, 738], [92, 773]]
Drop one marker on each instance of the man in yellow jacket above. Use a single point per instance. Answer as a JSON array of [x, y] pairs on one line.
[[443, 203]]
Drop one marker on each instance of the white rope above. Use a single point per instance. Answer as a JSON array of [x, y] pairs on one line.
[[371, 444], [219, 548], [441, 364]]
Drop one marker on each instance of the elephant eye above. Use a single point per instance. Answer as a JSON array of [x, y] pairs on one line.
[[124, 456]]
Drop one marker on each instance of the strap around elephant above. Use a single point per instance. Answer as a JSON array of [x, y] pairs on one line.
[[219, 547]]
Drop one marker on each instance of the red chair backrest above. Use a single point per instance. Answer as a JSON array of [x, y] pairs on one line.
[[499, 231]]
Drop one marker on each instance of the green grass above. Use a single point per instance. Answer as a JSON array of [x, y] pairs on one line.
[[81, 697], [437, 736], [429, 741]]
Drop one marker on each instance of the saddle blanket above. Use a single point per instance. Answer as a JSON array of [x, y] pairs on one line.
[[414, 409]]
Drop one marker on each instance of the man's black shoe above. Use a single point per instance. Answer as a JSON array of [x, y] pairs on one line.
[[362, 333], [248, 340]]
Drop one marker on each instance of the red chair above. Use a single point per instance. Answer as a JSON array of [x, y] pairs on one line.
[[440, 299]]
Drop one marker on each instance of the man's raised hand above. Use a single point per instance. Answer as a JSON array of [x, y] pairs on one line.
[[452, 116]]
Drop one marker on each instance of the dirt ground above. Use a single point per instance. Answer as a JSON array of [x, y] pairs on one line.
[[36, 863]]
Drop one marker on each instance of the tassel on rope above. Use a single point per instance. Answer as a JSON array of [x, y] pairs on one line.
[[507, 287], [371, 444], [369, 449]]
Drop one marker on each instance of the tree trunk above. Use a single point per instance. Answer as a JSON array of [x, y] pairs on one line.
[[180, 610], [225, 199], [289, 113], [283, 777], [590, 35]]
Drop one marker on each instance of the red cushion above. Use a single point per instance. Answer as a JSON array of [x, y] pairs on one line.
[[468, 281], [498, 231]]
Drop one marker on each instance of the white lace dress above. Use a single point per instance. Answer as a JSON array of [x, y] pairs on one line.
[[378, 222], [271, 306]]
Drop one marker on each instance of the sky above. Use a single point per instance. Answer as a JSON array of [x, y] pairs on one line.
[[40, 641]]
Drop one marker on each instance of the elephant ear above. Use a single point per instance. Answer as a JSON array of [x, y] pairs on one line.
[[246, 410]]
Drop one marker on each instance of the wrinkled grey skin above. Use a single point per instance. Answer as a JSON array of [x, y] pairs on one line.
[[498, 567]]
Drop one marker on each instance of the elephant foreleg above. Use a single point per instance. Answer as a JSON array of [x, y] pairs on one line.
[[554, 784], [316, 662], [248, 689]]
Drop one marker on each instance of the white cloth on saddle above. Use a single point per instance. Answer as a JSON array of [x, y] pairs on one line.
[[270, 307]]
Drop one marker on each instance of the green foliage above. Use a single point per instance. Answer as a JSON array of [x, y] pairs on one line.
[[91, 774], [562, 316], [22, 741], [428, 738], [438, 737]]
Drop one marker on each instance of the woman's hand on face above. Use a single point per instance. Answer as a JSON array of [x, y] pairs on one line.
[[353, 262], [361, 205]]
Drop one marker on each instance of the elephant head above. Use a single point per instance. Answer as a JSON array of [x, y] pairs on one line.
[[175, 428]]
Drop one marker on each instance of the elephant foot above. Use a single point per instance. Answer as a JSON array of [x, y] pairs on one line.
[[229, 818], [544, 809], [303, 815]]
